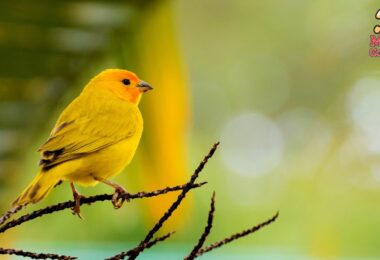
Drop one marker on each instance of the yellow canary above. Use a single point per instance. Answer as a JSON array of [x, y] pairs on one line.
[[94, 138]]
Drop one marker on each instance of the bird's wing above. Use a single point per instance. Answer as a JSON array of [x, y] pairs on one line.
[[72, 139]]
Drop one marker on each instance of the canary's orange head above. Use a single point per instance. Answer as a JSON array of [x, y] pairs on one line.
[[123, 83]]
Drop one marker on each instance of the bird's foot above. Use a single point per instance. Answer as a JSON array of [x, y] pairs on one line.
[[121, 194], [77, 197], [76, 208], [119, 197]]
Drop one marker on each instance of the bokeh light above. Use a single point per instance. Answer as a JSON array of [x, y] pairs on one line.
[[253, 144], [364, 111]]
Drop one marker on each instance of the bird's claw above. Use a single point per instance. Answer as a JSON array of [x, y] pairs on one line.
[[119, 197], [76, 208], [76, 211]]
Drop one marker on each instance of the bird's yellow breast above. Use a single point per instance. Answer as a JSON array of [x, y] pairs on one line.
[[102, 165]]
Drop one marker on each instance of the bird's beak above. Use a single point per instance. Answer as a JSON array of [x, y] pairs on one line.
[[143, 86]]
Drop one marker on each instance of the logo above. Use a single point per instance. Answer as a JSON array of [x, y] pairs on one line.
[[374, 51]]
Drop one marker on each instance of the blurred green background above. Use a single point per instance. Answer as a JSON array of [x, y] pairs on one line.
[[287, 87]]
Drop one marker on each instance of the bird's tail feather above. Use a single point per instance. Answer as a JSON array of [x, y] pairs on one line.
[[37, 189]]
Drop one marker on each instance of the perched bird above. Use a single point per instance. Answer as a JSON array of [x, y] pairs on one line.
[[94, 138]]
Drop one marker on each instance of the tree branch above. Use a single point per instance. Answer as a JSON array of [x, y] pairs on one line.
[[5, 251], [88, 201], [148, 241], [236, 236], [10, 213], [143, 246], [206, 231]]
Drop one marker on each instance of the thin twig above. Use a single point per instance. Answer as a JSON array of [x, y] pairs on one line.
[[169, 212], [90, 200], [236, 236], [144, 246], [10, 213], [159, 239], [206, 231], [8, 251]]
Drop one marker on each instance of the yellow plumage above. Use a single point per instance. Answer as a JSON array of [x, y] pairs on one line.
[[95, 137]]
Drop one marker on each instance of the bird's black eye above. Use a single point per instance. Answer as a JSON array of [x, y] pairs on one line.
[[126, 82]]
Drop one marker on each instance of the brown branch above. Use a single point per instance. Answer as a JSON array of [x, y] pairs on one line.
[[206, 232], [90, 200], [236, 236], [157, 240], [5, 251], [9, 214], [148, 241], [143, 246], [169, 212]]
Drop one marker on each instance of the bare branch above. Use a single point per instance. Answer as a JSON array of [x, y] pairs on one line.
[[157, 240], [10, 213], [206, 231], [5, 251], [236, 236], [172, 208], [90, 200], [143, 246], [148, 241]]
